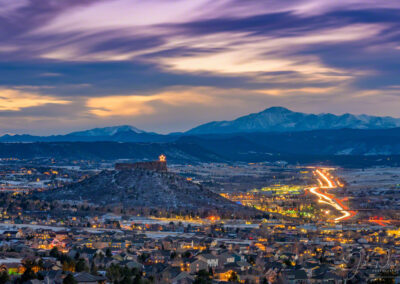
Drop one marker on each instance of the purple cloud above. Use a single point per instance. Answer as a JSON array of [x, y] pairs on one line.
[[271, 52]]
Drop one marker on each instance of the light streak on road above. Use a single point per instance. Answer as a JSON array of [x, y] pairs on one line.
[[325, 178], [380, 222], [339, 183], [328, 198]]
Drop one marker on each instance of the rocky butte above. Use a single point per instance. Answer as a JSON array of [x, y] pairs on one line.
[[147, 188], [158, 166]]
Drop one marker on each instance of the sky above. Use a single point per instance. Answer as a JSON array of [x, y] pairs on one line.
[[170, 65]]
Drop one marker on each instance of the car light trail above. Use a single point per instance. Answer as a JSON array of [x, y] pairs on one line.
[[328, 198], [324, 177]]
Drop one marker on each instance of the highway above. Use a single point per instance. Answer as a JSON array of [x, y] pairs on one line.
[[326, 182]]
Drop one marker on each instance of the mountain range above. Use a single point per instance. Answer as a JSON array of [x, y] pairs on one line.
[[122, 133], [274, 119], [279, 119], [271, 135], [346, 147]]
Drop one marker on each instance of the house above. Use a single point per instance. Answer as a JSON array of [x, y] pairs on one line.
[[225, 258], [86, 278], [170, 273], [52, 276], [132, 264], [183, 278], [196, 265], [244, 265], [298, 276], [224, 274], [154, 269], [160, 256], [51, 264], [11, 234], [61, 235], [250, 277], [211, 260], [328, 277]]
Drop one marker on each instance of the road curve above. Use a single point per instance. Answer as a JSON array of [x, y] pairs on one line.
[[326, 183]]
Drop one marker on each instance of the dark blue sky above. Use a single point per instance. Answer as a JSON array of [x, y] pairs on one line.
[[169, 65]]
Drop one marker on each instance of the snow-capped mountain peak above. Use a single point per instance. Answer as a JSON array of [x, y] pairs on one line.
[[107, 131], [283, 119]]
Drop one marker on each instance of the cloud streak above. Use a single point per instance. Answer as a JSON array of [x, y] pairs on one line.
[[15, 100], [184, 62]]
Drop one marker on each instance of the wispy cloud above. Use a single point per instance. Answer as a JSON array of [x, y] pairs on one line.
[[247, 53], [139, 104], [15, 100], [185, 62], [7, 7]]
